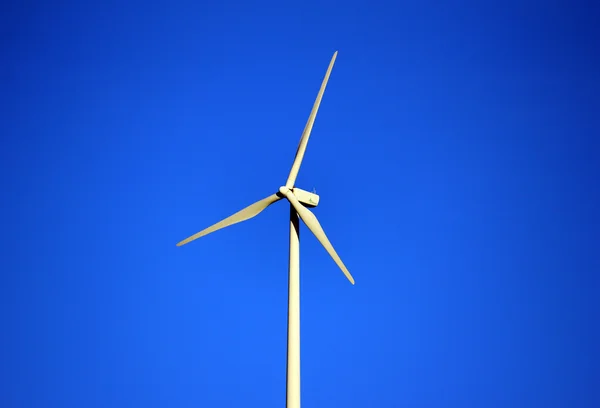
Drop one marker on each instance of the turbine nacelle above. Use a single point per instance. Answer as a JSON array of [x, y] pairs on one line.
[[307, 198]]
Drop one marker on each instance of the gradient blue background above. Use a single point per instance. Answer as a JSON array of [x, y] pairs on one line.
[[455, 152]]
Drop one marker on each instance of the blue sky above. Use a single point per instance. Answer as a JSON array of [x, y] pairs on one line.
[[455, 153]]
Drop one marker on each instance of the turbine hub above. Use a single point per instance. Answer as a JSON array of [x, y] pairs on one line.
[[283, 190]]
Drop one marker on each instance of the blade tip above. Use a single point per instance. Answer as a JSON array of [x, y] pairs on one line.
[[350, 278]]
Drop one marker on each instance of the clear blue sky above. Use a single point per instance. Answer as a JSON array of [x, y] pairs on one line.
[[456, 154]]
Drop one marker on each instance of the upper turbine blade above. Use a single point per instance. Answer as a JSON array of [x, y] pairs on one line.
[[247, 213], [313, 224], [307, 129]]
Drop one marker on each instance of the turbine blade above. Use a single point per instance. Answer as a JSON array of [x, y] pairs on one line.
[[242, 215], [313, 224], [307, 129]]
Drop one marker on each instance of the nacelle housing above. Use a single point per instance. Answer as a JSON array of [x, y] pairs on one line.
[[305, 197]]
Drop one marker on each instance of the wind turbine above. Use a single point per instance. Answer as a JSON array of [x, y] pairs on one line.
[[299, 201]]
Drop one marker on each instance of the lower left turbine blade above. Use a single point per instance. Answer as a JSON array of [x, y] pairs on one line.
[[242, 215]]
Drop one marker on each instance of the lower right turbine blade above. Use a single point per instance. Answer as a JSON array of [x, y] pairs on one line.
[[313, 224]]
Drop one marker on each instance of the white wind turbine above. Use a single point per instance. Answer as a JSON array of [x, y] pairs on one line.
[[299, 200]]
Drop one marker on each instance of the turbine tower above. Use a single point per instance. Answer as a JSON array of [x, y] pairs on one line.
[[299, 201]]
